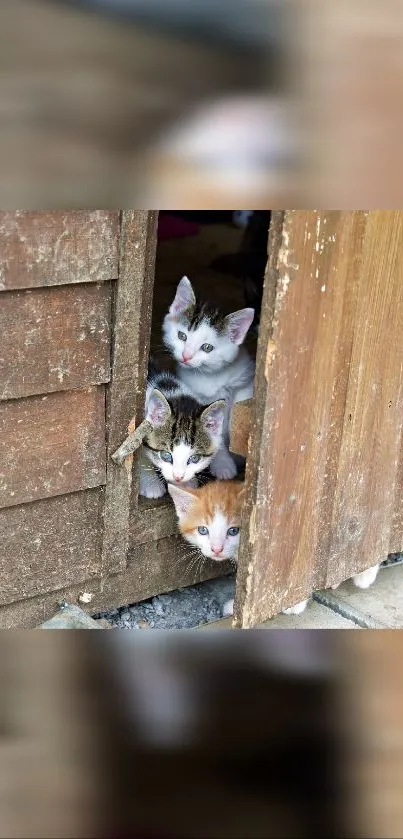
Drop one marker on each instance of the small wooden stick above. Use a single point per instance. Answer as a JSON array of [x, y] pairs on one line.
[[132, 442]]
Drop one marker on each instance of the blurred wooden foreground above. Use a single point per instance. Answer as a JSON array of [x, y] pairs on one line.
[[60, 758]]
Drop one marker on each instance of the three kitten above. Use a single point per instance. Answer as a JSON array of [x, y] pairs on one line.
[[190, 415]]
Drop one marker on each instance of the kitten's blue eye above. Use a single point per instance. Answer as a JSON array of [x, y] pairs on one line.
[[207, 347], [194, 458], [182, 336], [233, 531], [203, 531], [166, 456]]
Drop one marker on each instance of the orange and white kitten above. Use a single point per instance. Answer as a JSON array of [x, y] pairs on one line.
[[210, 519]]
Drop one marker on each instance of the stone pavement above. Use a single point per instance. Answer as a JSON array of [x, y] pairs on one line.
[[378, 607]]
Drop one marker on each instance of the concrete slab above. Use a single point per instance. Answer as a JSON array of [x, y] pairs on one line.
[[316, 616], [378, 607], [72, 617]]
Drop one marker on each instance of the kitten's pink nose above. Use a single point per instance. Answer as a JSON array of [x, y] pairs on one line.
[[217, 551], [186, 356], [178, 478]]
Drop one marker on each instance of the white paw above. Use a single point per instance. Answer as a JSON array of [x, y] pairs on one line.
[[366, 578], [223, 466], [297, 609], [153, 491], [228, 609], [151, 486]]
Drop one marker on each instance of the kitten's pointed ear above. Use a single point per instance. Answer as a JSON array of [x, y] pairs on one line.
[[213, 418], [158, 409], [184, 298], [183, 500], [237, 325]]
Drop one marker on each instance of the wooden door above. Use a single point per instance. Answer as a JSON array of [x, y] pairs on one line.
[[325, 463]]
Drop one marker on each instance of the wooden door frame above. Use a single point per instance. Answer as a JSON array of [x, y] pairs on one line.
[[143, 554], [324, 464], [131, 309]]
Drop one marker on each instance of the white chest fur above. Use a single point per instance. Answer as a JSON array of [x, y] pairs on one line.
[[233, 383]]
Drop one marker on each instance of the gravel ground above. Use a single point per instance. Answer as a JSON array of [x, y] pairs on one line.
[[186, 607], [181, 609]]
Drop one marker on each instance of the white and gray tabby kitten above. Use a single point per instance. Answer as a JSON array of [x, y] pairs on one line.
[[210, 360], [185, 435]]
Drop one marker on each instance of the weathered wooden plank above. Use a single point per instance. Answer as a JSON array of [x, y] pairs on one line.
[[33, 611], [133, 305], [41, 248], [159, 566], [364, 501], [337, 276], [396, 538], [51, 445], [152, 520], [50, 544], [241, 419], [54, 339]]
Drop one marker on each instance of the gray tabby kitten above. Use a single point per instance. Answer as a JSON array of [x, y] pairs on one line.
[[185, 435]]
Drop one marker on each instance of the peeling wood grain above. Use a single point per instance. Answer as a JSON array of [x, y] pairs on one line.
[[54, 339], [50, 544], [42, 248], [256, 439], [396, 538], [327, 423], [364, 502], [51, 445], [130, 357]]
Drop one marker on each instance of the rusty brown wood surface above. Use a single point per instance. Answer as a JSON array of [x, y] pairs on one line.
[[154, 567], [51, 445], [327, 422], [50, 544], [153, 519], [40, 248], [241, 419], [54, 339], [132, 320], [396, 539], [367, 472]]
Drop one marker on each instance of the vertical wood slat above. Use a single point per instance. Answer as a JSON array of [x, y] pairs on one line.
[[328, 403], [364, 502], [132, 319]]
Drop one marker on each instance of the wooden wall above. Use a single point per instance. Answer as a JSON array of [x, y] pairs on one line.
[[56, 273]]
